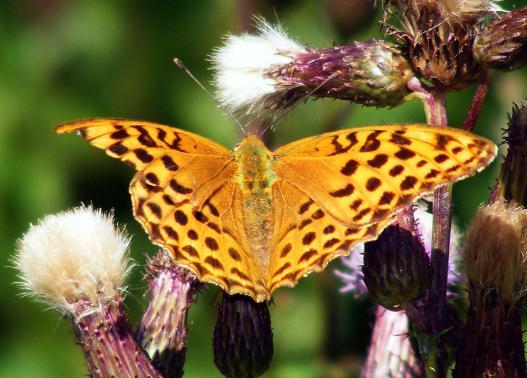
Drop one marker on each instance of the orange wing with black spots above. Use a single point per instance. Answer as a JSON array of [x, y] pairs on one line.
[[337, 189], [185, 198], [359, 176], [307, 238], [325, 193]]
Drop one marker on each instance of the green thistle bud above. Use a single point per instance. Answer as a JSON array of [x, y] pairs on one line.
[[371, 73], [513, 180], [243, 339], [396, 268], [502, 45], [162, 331]]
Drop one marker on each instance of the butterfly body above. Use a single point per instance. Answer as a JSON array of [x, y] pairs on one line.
[[256, 177], [252, 220]]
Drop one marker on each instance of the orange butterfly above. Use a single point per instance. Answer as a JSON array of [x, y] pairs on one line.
[[252, 220]]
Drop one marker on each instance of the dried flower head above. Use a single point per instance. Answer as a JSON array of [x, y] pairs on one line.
[[241, 65], [77, 255], [495, 257], [495, 252], [502, 45], [259, 73], [437, 36], [77, 261]]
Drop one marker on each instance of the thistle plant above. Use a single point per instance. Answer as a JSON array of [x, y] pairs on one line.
[[399, 280], [258, 74], [77, 261], [496, 271], [497, 277]]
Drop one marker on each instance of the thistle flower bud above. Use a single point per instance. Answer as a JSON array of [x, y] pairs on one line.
[[269, 71], [162, 331], [77, 262], [495, 257], [351, 272], [396, 268], [437, 36], [243, 339], [502, 45], [513, 180]]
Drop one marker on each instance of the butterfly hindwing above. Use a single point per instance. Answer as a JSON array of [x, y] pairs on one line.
[[208, 239], [306, 238]]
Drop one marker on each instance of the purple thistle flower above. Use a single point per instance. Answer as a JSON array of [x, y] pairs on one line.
[[162, 330], [390, 353]]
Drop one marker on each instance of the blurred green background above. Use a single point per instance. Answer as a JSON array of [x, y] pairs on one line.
[[62, 60]]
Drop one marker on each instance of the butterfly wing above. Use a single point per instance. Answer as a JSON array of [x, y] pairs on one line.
[[337, 189], [306, 237], [359, 176], [184, 197]]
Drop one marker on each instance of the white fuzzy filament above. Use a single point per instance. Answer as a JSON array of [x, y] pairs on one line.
[[241, 64], [77, 255]]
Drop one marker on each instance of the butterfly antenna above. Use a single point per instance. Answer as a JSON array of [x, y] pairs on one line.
[[289, 106], [180, 64]]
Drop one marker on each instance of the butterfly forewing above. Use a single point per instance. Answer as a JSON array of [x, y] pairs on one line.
[[184, 197], [360, 176]]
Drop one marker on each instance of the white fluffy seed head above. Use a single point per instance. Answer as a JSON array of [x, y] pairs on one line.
[[72, 257], [241, 64]]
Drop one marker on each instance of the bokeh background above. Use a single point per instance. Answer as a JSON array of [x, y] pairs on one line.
[[62, 60]]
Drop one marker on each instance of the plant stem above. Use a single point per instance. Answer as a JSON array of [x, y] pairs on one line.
[[109, 345], [477, 103], [435, 108]]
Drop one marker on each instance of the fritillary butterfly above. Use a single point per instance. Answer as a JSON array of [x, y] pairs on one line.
[[252, 220]]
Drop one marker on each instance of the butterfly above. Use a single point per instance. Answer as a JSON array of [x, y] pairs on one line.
[[252, 220]]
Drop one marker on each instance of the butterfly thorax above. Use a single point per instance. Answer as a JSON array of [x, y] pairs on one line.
[[256, 176]]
